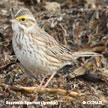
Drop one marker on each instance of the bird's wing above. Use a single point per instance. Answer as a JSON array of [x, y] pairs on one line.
[[58, 51], [62, 53]]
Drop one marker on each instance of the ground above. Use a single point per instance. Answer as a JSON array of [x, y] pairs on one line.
[[80, 25]]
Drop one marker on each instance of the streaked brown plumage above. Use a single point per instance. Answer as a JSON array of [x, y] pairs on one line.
[[37, 51]]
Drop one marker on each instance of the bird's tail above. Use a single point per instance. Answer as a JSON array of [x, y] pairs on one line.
[[85, 54]]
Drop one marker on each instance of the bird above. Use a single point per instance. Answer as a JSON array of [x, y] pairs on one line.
[[38, 51]]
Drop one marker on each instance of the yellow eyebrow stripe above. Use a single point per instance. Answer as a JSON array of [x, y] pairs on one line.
[[20, 17]]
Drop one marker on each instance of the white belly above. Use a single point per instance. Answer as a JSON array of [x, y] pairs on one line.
[[29, 57]]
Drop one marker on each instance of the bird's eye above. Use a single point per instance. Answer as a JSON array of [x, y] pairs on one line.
[[23, 19]]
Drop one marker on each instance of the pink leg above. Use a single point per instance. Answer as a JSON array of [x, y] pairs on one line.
[[49, 79], [42, 81]]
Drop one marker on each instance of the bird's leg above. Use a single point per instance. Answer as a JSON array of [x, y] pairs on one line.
[[49, 80], [42, 82]]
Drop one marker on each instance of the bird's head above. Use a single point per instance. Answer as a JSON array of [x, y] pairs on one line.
[[24, 20]]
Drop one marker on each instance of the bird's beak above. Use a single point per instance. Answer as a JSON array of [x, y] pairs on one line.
[[13, 20]]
